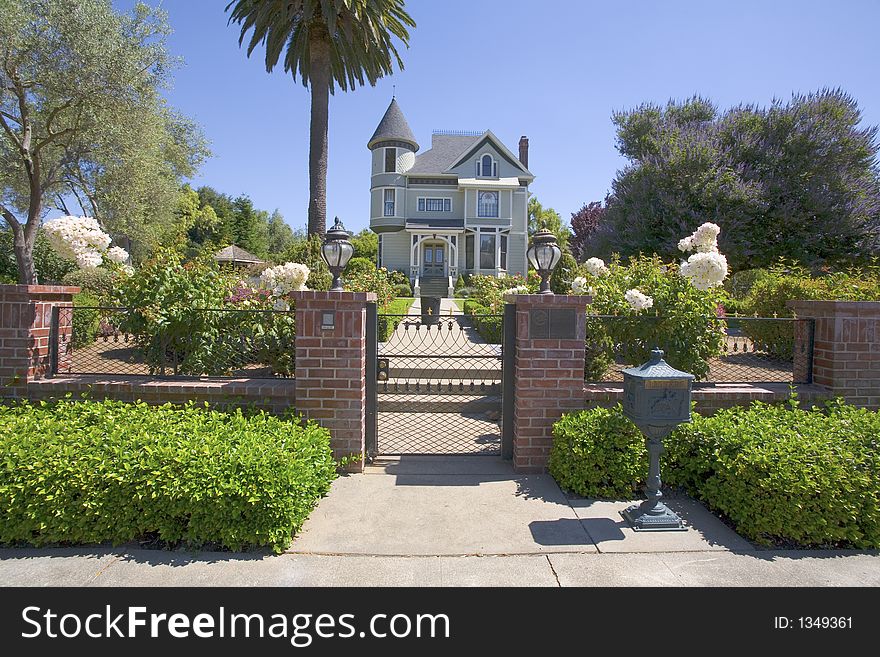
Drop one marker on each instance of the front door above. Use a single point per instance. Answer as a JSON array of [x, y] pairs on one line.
[[433, 259]]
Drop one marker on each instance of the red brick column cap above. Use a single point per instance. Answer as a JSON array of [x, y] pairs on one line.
[[32, 291], [324, 295], [549, 299]]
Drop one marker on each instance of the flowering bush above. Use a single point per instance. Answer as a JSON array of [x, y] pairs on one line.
[[371, 280], [489, 291], [183, 316], [82, 239], [684, 322]]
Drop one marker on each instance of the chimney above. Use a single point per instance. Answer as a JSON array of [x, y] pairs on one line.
[[524, 151]]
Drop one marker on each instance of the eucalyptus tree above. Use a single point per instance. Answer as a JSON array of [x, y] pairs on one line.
[[324, 43], [82, 122]]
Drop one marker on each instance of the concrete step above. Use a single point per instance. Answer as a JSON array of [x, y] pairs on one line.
[[487, 406]]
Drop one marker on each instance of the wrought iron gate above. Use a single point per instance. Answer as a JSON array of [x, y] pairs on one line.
[[438, 385]]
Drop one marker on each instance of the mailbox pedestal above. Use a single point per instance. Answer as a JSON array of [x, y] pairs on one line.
[[657, 398]]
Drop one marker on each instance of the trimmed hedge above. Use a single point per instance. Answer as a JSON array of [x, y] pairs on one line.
[[785, 474], [598, 453], [387, 325], [489, 326], [780, 474], [89, 472]]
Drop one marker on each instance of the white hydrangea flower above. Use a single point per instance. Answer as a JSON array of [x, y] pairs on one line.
[[285, 278], [520, 289], [281, 304], [78, 238], [579, 285], [128, 269], [705, 270], [117, 254], [596, 266], [637, 300], [703, 240]]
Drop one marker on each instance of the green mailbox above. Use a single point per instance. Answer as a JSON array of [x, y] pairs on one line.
[[656, 398]]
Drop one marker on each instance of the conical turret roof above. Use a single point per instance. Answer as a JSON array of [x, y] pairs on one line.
[[393, 127]]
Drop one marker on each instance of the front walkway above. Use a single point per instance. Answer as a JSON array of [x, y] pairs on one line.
[[463, 521]]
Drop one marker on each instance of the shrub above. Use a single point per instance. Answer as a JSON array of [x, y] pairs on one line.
[[682, 320], [99, 282], [390, 316], [357, 264], [86, 320], [90, 472], [403, 290], [489, 325], [786, 282], [371, 280], [785, 474], [598, 453], [464, 292]]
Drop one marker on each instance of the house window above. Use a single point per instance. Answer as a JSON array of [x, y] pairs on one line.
[[487, 204], [390, 160], [435, 205], [389, 202], [487, 251], [469, 251], [487, 167], [504, 252]]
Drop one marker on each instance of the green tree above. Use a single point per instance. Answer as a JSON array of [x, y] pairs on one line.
[[48, 265], [540, 217], [249, 227], [325, 43], [798, 179], [366, 245], [81, 118], [279, 235]]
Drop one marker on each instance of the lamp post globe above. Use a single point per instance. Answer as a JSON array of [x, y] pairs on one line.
[[544, 254], [337, 250]]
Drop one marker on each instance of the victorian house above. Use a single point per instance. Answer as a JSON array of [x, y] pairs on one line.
[[458, 207]]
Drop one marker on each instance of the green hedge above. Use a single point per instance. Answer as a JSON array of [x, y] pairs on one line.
[[783, 474], [489, 326], [386, 324], [598, 453], [91, 472], [780, 474]]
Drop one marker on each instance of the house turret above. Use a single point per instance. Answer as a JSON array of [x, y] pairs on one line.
[[394, 150]]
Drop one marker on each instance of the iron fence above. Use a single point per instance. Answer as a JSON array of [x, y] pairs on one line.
[[723, 350], [192, 342]]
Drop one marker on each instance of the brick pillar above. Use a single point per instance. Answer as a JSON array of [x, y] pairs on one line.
[[25, 331], [549, 371], [846, 348], [331, 365]]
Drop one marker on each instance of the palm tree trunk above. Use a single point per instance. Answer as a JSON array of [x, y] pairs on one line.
[[319, 78]]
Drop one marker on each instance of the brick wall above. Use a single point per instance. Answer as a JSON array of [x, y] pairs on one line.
[[331, 366], [25, 326], [272, 395], [549, 377], [846, 348]]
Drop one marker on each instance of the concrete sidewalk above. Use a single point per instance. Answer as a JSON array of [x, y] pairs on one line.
[[460, 521]]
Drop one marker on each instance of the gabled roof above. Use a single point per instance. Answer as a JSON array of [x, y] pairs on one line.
[[234, 254], [489, 137], [444, 150], [393, 127]]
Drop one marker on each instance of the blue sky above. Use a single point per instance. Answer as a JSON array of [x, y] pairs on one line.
[[553, 70]]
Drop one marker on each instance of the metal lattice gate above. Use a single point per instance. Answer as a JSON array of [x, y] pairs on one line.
[[438, 384]]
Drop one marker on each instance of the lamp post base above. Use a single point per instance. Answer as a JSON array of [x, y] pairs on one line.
[[655, 518]]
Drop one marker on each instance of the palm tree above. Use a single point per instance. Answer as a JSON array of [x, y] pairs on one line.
[[325, 43]]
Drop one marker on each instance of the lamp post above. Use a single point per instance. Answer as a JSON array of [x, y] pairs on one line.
[[337, 251], [544, 254]]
